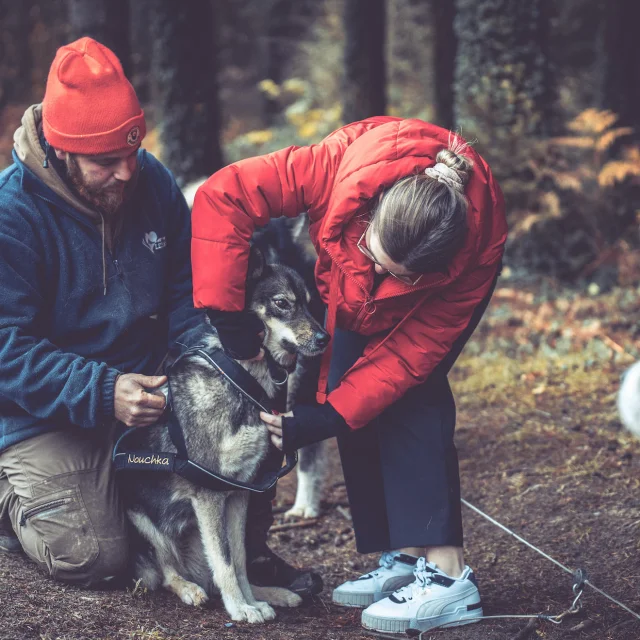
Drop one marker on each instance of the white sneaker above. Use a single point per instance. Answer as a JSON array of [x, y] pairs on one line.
[[432, 600], [396, 571]]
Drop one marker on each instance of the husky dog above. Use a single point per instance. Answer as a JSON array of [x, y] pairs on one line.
[[287, 241], [194, 536]]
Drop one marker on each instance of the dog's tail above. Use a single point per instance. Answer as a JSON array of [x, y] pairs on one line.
[[145, 565]]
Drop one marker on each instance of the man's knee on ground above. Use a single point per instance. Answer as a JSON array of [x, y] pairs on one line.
[[72, 542], [110, 562]]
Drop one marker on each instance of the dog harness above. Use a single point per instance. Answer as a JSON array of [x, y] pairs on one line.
[[179, 463]]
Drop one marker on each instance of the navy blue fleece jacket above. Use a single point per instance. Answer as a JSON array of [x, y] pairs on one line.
[[63, 339]]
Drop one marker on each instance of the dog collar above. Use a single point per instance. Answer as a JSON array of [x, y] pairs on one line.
[[278, 374]]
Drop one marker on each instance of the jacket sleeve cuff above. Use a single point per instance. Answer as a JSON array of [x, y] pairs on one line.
[[310, 424], [108, 392], [356, 411]]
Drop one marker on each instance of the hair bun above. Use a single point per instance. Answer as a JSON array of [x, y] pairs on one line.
[[451, 166], [446, 174]]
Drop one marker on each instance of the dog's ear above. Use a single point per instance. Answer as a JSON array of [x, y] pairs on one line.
[[257, 264]]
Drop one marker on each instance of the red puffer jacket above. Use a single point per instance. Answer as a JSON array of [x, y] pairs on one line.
[[336, 181]]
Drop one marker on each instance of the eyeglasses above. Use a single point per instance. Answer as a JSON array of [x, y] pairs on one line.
[[406, 279]]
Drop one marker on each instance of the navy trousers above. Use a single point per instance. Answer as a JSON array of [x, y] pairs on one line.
[[401, 470]]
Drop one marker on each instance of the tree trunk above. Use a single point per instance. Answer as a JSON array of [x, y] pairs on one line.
[[444, 61], [364, 81], [105, 20], [504, 87], [279, 49], [141, 48], [618, 62], [15, 53], [184, 64], [288, 22]]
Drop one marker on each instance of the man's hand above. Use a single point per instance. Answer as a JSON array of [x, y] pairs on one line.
[[133, 404]]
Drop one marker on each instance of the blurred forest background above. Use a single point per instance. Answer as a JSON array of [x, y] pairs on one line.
[[549, 90]]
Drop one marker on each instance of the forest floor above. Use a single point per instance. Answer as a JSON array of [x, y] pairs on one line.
[[541, 450]]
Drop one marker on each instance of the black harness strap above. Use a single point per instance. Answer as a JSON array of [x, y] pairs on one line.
[[179, 462]]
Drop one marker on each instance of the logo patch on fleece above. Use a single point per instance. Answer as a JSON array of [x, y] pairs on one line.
[[152, 242]]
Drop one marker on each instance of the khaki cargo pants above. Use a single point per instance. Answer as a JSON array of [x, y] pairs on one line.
[[58, 491]]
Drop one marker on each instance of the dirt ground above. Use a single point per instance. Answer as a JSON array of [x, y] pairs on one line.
[[541, 450]]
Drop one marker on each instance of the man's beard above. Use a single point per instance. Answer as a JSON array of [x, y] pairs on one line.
[[106, 200]]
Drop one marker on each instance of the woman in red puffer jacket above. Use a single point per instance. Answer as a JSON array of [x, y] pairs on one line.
[[409, 226]]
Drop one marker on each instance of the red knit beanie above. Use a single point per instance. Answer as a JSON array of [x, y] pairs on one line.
[[89, 106]]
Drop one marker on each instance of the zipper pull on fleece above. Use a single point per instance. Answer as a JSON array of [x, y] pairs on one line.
[[47, 148], [104, 260]]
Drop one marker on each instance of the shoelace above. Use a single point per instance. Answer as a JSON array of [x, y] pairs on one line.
[[387, 560], [423, 573]]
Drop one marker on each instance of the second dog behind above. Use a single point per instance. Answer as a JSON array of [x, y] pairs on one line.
[[287, 240]]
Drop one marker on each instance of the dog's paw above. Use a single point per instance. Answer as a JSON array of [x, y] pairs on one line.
[[303, 511], [265, 610], [280, 597], [248, 613], [191, 593], [277, 596]]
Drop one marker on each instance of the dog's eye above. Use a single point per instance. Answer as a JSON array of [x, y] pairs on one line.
[[282, 304]]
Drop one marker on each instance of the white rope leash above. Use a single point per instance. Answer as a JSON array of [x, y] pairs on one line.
[[548, 557]]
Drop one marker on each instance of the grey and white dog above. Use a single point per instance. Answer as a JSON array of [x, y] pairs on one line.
[[194, 537]]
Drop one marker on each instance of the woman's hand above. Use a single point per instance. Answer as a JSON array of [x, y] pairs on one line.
[[274, 424], [304, 425]]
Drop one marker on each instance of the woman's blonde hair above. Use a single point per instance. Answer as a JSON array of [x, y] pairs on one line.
[[421, 221]]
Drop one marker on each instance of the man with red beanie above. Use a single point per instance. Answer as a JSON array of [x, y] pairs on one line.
[[96, 286]]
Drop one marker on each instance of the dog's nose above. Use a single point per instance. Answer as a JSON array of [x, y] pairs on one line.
[[322, 339]]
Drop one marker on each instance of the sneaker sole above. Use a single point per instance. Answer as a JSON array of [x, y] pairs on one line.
[[458, 618], [357, 600]]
